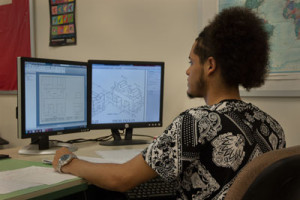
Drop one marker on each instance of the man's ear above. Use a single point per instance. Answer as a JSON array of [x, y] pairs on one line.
[[212, 66]]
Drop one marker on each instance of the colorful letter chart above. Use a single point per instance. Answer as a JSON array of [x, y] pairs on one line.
[[62, 20]]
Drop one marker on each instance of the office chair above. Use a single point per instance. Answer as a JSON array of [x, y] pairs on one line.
[[274, 175]]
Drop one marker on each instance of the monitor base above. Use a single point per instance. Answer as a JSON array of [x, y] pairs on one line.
[[118, 141], [33, 149], [2, 141]]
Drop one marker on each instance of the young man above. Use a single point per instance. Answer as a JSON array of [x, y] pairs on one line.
[[204, 148]]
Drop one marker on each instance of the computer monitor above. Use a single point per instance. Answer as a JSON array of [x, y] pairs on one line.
[[124, 95], [52, 100]]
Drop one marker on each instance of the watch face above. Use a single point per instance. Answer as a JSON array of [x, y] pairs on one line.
[[64, 160], [65, 157]]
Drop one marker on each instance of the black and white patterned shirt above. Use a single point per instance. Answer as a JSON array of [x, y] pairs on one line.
[[204, 148]]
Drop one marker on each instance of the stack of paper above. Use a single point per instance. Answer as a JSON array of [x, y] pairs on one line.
[[23, 178]]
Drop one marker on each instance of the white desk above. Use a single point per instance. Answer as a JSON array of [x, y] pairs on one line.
[[84, 149]]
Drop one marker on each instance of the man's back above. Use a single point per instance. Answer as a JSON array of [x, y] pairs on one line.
[[204, 148]]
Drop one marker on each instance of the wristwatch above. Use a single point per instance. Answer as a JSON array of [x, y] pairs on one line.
[[64, 160]]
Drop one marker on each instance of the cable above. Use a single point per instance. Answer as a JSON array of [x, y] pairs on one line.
[[99, 139], [80, 140]]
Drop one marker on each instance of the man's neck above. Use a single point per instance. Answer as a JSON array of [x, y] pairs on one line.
[[220, 94]]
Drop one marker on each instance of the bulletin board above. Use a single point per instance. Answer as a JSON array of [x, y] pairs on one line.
[[14, 40]]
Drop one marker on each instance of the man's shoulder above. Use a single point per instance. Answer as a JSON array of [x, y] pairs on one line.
[[221, 107], [226, 107], [199, 109]]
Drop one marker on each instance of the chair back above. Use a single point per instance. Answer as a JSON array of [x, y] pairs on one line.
[[272, 175]]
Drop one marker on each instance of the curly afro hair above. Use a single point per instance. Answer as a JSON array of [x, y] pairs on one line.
[[239, 42]]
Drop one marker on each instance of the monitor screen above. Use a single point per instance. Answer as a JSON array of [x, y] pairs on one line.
[[125, 94], [52, 97]]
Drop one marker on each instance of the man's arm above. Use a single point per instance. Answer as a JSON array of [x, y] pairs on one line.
[[116, 177]]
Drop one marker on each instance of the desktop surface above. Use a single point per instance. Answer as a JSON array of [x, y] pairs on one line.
[[86, 149]]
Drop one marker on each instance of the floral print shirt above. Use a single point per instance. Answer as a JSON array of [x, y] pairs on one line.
[[204, 148]]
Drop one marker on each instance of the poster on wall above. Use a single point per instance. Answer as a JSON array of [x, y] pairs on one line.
[[62, 22]]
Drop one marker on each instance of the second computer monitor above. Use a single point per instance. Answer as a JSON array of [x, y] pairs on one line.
[[125, 95]]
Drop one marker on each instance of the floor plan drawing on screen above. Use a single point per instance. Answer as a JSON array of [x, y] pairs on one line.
[[121, 99], [60, 98]]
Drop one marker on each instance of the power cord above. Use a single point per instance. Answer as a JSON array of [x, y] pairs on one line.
[[99, 139]]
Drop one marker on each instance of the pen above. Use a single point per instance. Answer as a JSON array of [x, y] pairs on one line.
[[48, 162]]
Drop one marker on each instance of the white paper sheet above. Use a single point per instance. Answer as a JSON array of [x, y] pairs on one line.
[[110, 156], [18, 179], [96, 159], [120, 155]]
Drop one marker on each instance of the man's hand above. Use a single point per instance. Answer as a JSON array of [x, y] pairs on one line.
[[58, 154]]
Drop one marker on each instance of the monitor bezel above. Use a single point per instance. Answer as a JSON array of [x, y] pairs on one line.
[[159, 123], [21, 110]]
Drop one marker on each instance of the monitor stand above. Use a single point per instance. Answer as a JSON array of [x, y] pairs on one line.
[[2, 141], [41, 145], [118, 141]]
